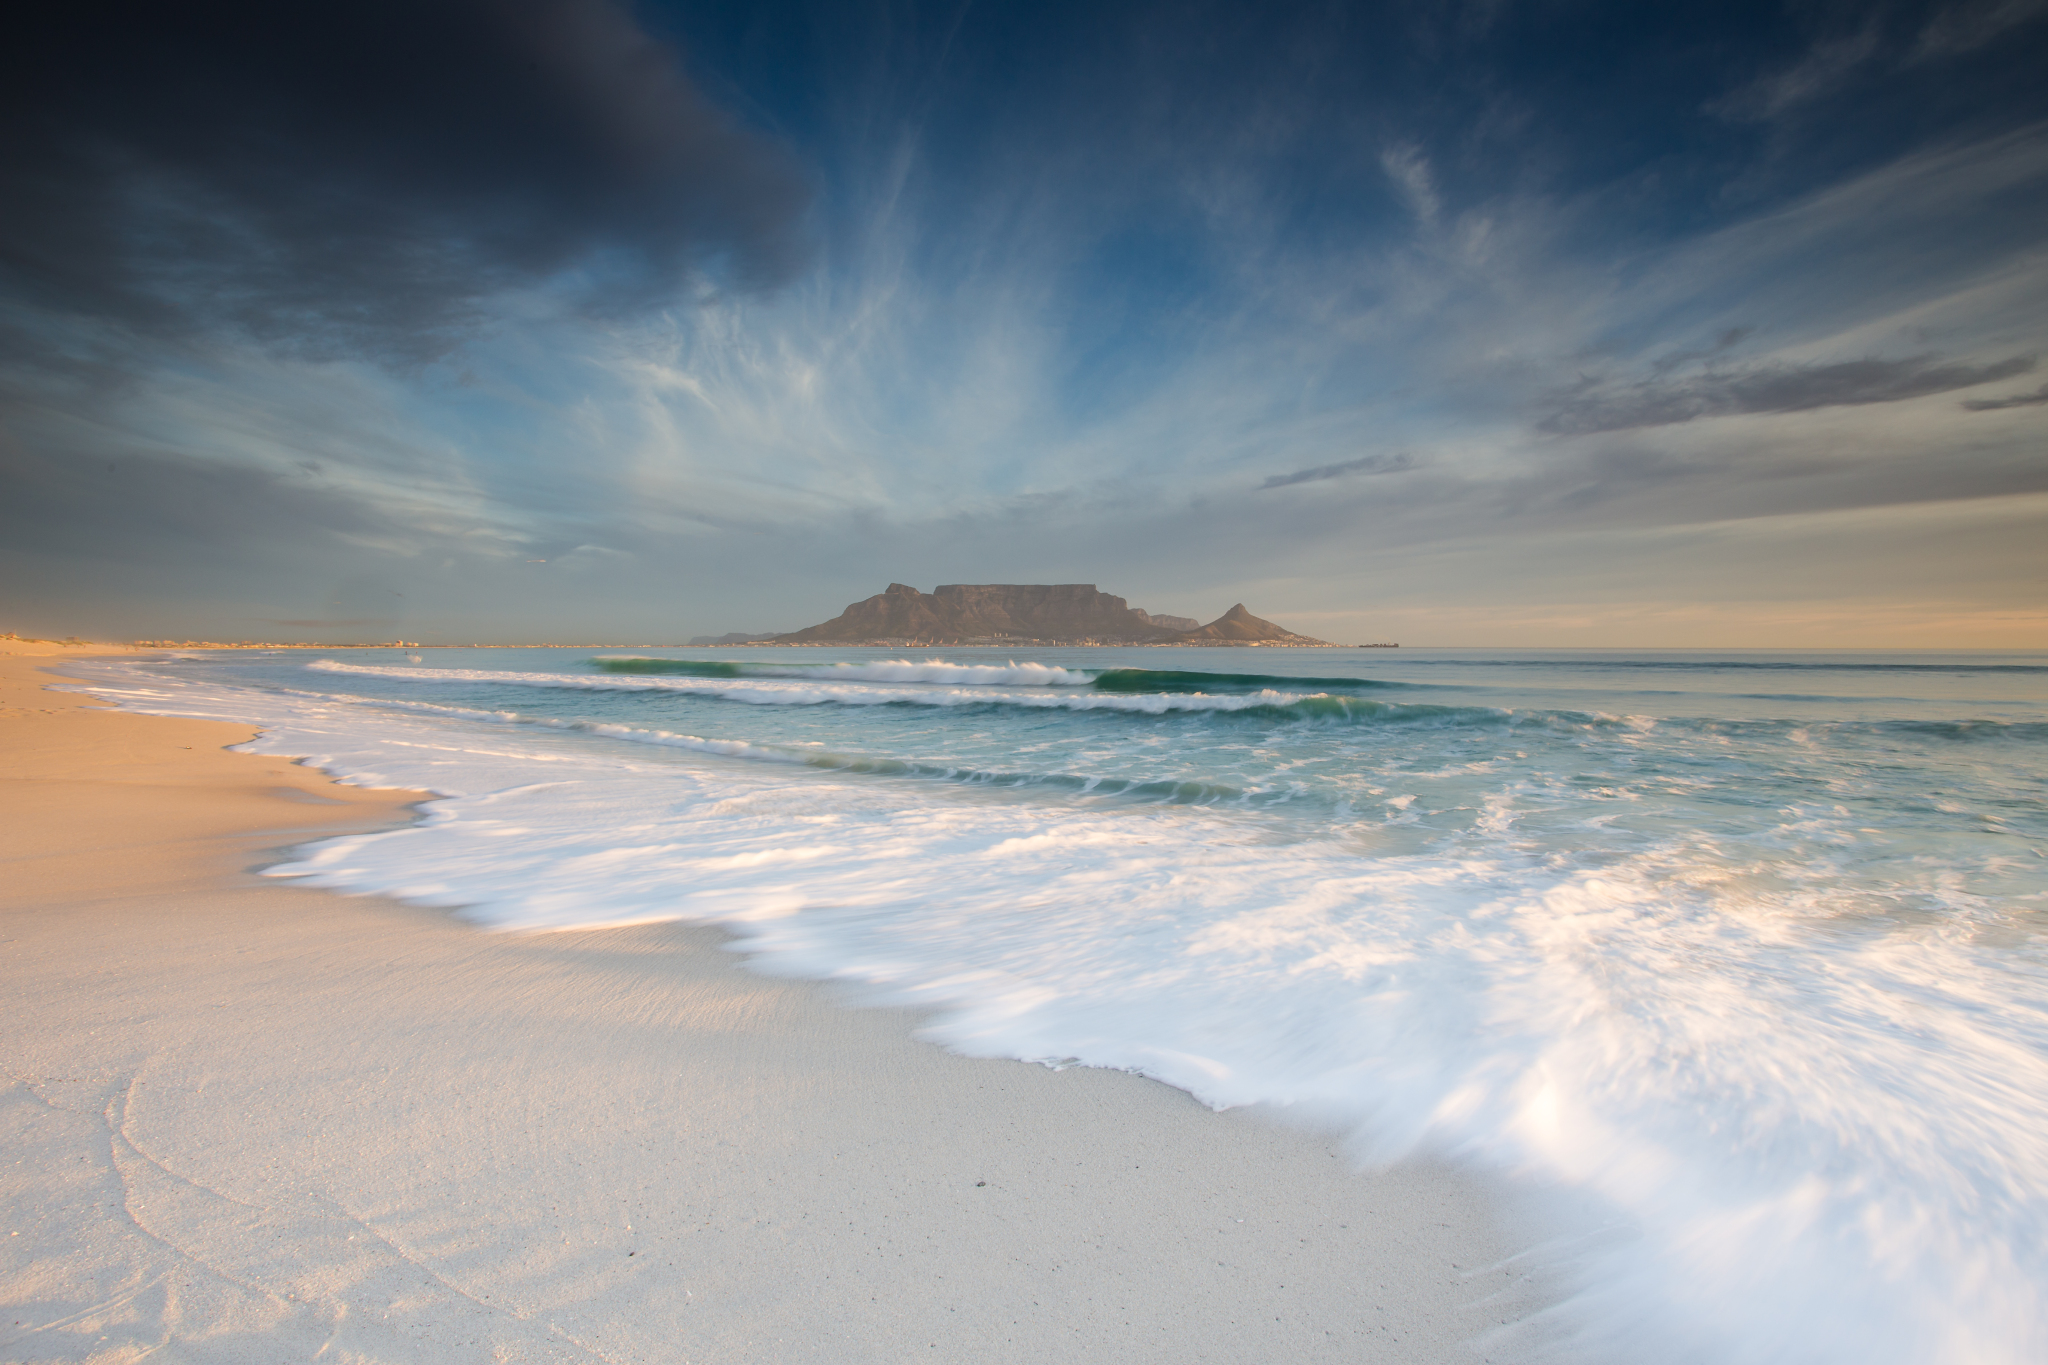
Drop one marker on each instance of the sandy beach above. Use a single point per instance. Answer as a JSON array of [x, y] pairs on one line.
[[257, 1122]]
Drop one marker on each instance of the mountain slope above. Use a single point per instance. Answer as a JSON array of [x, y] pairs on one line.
[[956, 613], [1239, 627]]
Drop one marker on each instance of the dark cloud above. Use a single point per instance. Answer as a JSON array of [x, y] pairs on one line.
[[1772, 388], [1367, 464], [2017, 400], [1728, 339], [362, 177]]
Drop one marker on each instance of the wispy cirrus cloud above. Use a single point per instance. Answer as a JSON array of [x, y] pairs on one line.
[[1967, 25], [1364, 464], [1776, 388], [2018, 400], [1821, 71]]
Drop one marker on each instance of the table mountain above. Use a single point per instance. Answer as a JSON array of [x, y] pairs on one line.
[[1042, 613]]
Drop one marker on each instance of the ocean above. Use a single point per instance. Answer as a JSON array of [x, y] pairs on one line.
[[1736, 965]]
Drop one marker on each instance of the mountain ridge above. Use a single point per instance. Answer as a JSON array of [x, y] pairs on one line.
[[1036, 613]]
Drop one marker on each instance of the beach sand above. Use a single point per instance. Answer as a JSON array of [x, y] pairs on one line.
[[247, 1121]]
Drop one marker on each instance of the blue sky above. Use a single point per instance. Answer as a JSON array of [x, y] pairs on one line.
[[1532, 324]]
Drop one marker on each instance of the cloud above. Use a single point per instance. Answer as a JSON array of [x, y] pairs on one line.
[[1068, 320], [2017, 400], [147, 504], [363, 178], [1823, 70], [1409, 170], [1771, 389], [1830, 64], [1366, 464], [1970, 25]]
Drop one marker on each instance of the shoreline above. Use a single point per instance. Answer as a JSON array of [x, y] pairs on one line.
[[263, 1119]]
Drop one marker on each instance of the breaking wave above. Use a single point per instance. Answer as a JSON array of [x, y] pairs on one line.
[[892, 671], [1766, 991], [842, 690], [988, 675]]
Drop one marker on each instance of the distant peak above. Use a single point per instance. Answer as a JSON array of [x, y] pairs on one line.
[[1238, 626]]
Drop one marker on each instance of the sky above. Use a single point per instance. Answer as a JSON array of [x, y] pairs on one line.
[[1488, 323]]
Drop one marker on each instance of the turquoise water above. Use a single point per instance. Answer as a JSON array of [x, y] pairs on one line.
[[1745, 953]]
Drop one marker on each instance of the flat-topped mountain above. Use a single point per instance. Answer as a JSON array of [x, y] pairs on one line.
[[1039, 613]]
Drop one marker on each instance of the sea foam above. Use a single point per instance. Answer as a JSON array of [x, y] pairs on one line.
[[1793, 1070]]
